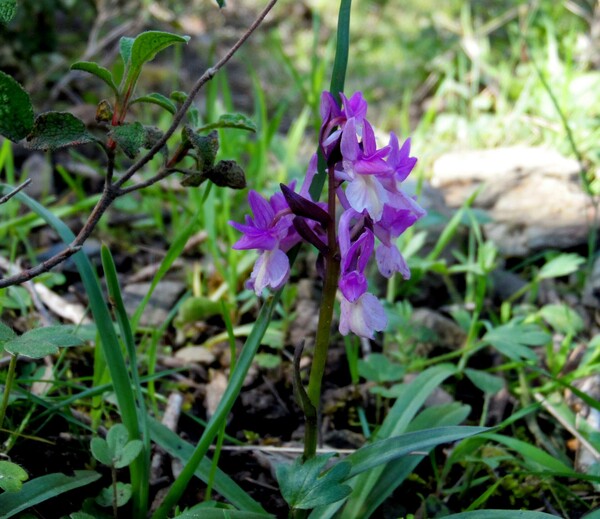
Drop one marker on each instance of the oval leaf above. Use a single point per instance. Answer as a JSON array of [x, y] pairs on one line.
[[8, 8], [101, 451], [98, 71], [11, 476], [16, 112], [34, 349], [53, 130]]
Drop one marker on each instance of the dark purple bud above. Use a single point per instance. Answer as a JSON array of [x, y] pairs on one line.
[[303, 207], [304, 230]]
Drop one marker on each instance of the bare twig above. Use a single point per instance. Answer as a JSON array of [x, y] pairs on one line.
[[114, 190], [7, 197]]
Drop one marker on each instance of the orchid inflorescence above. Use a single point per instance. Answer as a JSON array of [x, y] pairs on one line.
[[367, 182]]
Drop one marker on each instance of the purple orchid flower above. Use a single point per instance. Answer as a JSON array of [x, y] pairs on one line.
[[365, 170], [272, 232]]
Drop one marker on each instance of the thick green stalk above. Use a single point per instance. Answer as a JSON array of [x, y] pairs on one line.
[[332, 270]]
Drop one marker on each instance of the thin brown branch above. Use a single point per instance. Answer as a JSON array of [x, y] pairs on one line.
[[205, 78], [162, 173], [114, 190], [8, 196]]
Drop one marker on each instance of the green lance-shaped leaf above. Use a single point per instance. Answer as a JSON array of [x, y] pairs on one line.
[[303, 486], [16, 111], [130, 137], [144, 49], [8, 8], [98, 71], [125, 45], [53, 130], [41, 489], [40, 342], [238, 121], [157, 99], [11, 476], [221, 3]]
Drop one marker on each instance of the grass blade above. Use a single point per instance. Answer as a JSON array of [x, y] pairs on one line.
[[223, 484], [229, 397], [43, 488], [110, 345]]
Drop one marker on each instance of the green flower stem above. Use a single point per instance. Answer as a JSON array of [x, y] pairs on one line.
[[332, 270], [10, 377]]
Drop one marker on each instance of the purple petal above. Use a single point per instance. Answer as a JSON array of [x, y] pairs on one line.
[[353, 285], [271, 270], [363, 317], [349, 144], [261, 209], [365, 192], [389, 260]]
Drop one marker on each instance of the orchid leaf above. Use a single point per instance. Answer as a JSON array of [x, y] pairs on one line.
[[43, 488], [16, 111], [304, 487]]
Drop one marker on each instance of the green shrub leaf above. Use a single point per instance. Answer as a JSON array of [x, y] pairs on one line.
[[238, 121], [144, 49], [98, 71], [303, 486], [125, 45], [157, 99], [130, 137], [8, 8], [206, 146], [16, 111], [221, 3], [11, 476], [53, 130]]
